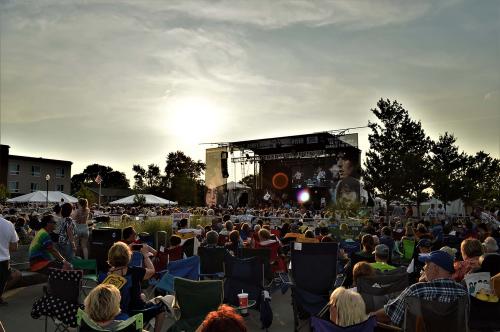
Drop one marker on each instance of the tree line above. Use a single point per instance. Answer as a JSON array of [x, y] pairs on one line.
[[404, 164], [180, 181]]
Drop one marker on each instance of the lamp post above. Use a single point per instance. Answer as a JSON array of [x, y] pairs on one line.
[[47, 178]]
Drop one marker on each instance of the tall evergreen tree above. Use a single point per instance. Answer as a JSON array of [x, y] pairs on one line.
[[447, 167], [397, 164], [481, 179], [383, 172]]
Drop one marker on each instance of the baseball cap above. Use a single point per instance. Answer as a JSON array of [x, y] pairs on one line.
[[424, 243], [440, 258], [381, 250]]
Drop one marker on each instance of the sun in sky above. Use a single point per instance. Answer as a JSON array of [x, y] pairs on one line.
[[193, 118]]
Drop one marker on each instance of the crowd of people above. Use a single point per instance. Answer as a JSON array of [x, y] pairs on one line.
[[445, 251]]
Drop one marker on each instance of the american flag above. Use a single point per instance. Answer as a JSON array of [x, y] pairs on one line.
[[98, 179]]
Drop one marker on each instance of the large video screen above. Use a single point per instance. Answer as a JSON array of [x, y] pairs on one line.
[[337, 176]]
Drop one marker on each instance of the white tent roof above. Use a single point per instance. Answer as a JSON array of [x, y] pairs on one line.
[[150, 199], [41, 197], [234, 185]]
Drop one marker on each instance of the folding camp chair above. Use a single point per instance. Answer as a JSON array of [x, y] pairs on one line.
[[276, 260], [322, 325], [89, 268], [211, 262], [434, 316], [60, 300], [314, 272], [188, 247], [195, 300], [137, 259], [408, 249], [379, 289], [86, 324], [243, 274], [484, 316], [167, 255], [264, 257], [188, 268]]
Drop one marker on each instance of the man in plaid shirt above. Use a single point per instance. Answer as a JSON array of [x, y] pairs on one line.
[[440, 287]]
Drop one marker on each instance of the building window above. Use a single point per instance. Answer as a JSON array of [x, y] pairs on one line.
[[60, 187], [34, 187], [13, 186], [14, 169], [35, 170], [59, 172]]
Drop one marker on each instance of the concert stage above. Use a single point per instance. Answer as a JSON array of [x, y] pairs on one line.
[[326, 165]]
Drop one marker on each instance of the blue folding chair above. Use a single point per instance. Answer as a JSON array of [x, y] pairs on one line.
[[321, 325], [137, 259], [188, 268]]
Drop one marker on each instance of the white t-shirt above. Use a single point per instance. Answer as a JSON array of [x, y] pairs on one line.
[[441, 213], [8, 235]]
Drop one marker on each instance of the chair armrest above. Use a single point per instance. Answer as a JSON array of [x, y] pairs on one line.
[[389, 327]]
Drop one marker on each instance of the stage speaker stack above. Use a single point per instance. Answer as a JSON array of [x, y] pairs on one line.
[[100, 241], [223, 165]]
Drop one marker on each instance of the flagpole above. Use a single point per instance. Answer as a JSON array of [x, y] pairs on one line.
[[99, 195]]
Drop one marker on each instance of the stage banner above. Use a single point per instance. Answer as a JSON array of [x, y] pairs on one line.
[[213, 174]]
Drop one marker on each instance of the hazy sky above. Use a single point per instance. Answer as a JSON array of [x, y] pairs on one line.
[[124, 82]]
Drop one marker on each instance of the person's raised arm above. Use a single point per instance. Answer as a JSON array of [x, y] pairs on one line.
[[148, 264]]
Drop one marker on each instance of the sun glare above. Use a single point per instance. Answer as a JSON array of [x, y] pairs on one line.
[[193, 118]]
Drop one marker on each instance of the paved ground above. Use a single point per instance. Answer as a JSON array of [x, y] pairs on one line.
[[16, 316]]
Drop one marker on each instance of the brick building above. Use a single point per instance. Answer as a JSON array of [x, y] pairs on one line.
[[23, 175]]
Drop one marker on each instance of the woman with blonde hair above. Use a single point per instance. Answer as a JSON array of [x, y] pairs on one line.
[[102, 305], [347, 307], [132, 299]]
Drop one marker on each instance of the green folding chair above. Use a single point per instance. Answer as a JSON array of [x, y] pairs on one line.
[[89, 267], [408, 249], [86, 324], [195, 300]]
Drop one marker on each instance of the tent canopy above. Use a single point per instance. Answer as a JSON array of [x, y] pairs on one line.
[[150, 200], [41, 197], [236, 186]]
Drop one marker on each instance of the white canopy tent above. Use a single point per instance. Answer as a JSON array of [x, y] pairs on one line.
[[150, 200], [41, 197], [454, 208]]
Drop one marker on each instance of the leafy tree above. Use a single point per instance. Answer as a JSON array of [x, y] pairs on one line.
[[4, 193], [180, 165], [181, 181], [85, 192], [480, 181], [110, 178], [384, 170], [139, 199], [447, 167], [147, 180], [397, 164], [140, 174], [185, 191], [416, 161]]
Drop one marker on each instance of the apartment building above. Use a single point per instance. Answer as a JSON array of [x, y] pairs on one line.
[[27, 174]]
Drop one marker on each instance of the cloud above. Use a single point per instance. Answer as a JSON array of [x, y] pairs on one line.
[[492, 95], [279, 14]]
